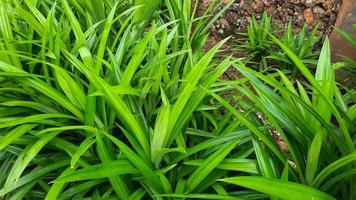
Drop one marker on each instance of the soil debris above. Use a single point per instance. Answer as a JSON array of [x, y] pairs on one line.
[[298, 12]]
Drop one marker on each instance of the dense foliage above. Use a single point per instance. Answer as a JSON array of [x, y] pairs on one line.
[[261, 49], [118, 99]]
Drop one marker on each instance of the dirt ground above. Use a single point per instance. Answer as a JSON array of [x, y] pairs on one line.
[[312, 12]]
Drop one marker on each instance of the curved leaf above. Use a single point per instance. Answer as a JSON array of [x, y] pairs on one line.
[[278, 188]]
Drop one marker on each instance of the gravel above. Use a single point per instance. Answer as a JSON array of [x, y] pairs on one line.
[[312, 12]]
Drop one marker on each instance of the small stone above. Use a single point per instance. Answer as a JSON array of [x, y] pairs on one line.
[[309, 2], [257, 6], [328, 5], [313, 2], [224, 23], [308, 16], [319, 11], [296, 30], [271, 9], [294, 1], [290, 11]]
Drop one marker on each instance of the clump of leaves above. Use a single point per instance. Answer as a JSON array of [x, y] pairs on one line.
[[266, 53], [256, 41], [316, 123], [99, 103], [303, 44]]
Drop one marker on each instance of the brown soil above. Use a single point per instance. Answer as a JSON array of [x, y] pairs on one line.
[[312, 12]]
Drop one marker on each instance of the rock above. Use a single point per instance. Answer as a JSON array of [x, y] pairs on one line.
[[224, 23], [345, 20], [271, 9], [290, 11], [319, 11], [310, 3], [206, 3], [257, 6], [296, 30], [294, 1], [328, 5], [308, 16]]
